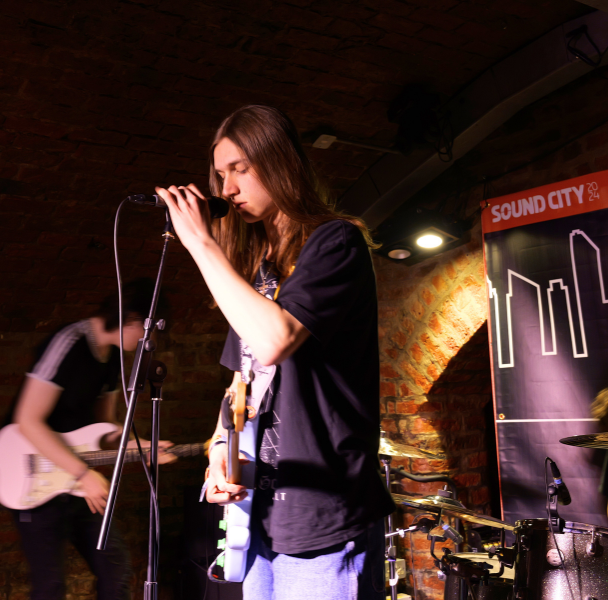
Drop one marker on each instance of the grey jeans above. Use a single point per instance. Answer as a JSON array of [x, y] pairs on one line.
[[353, 570]]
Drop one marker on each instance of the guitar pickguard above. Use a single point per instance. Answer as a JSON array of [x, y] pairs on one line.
[[47, 480]]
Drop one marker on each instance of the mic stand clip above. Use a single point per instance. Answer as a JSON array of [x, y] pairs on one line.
[[556, 523]]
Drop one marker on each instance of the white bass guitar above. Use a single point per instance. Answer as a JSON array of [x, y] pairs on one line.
[[243, 440]]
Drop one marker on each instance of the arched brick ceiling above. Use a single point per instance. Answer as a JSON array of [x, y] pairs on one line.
[[144, 83]]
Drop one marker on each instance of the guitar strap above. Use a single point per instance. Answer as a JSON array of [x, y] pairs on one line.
[[259, 376]]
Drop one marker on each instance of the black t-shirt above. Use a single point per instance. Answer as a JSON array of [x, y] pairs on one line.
[[66, 361], [318, 480]]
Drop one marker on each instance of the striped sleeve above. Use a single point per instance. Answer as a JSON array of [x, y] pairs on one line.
[[47, 367]]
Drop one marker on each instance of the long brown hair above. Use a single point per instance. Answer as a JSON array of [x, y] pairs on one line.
[[270, 142]]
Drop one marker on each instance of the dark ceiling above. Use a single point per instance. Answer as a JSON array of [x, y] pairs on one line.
[[164, 72]]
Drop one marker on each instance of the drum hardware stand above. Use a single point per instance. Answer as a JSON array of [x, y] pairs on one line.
[[137, 381], [506, 556], [441, 563], [401, 532], [477, 573], [401, 473], [437, 538], [430, 477], [424, 525], [592, 548], [391, 551]]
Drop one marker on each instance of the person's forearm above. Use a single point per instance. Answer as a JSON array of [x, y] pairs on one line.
[[48, 443], [220, 432], [260, 322], [216, 449]]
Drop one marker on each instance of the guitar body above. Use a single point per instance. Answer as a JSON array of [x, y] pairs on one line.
[[243, 439], [28, 479], [238, 514]]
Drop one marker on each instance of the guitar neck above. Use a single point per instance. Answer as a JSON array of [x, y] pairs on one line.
[[233, 465], [98, 458]]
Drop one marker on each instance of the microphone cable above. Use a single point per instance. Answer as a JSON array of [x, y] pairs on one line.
[[124, 384], [559, 552]]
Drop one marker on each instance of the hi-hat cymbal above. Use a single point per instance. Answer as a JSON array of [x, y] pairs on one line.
[[390, 448], [591, 440], [452, 508]]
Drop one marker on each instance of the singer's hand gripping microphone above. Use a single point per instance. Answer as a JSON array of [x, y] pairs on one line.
[[218, 207]]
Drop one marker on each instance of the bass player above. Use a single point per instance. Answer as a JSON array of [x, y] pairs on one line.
[[294, 279]]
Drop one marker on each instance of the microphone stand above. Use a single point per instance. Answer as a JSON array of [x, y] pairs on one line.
[[156, 375], [556, 523], [137, 381]]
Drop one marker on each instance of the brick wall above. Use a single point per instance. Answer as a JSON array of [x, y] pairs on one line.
[[435, 369], [435, 380]]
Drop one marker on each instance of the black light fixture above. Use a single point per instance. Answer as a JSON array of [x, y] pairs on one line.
[[418, 234], [325, 140]]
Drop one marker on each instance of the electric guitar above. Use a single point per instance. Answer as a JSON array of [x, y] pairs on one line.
[[28, 479], [242, 438]]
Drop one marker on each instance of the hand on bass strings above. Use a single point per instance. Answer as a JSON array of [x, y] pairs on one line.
[[111, 441], [95, 487], [164, 454], [189, 213], [219, 491]]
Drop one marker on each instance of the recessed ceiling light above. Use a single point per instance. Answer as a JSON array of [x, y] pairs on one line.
[[429, 240], [399, 253]]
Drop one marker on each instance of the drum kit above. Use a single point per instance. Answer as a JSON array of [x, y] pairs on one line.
[[551, 559]]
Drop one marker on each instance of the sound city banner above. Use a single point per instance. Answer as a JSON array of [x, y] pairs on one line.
[[546, 259]]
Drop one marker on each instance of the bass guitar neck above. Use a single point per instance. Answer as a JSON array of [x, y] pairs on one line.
[[233, 465]]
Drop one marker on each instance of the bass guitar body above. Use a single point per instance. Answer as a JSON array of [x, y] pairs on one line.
[[242, 439], [238, 514], [28, 479]]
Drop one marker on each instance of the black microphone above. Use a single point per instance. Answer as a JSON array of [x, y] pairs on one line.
[[452, 533], [218, 207], [563, 495]]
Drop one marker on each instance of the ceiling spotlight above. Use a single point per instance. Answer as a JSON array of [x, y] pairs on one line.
[[399, 253], [415, 234], [429, 240]]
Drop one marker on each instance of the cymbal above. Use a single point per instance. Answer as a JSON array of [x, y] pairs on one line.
[[390, 448], [452, 508], [591, 440]]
